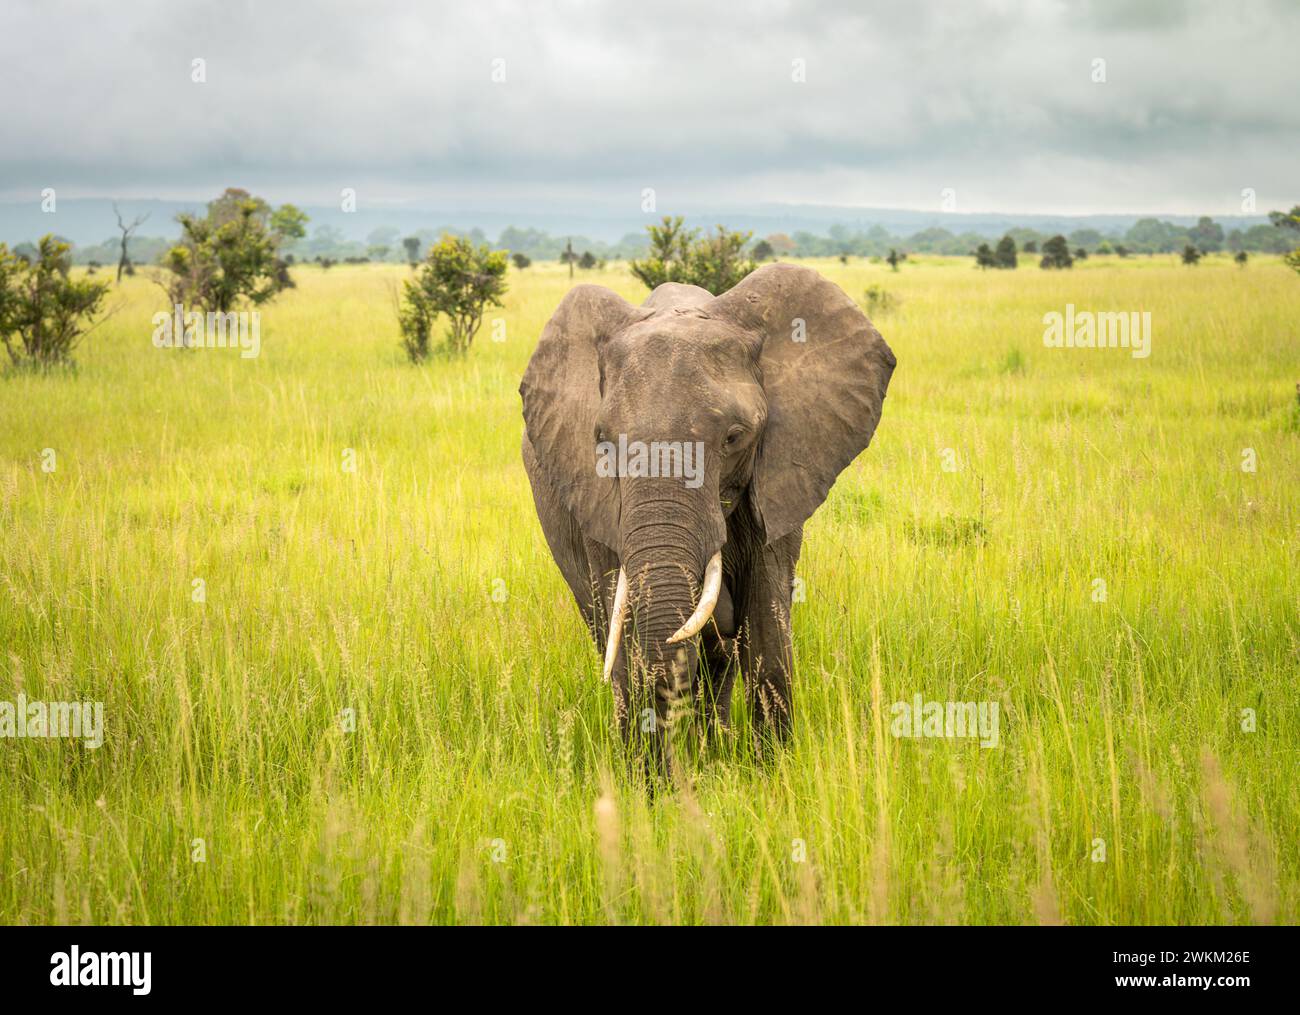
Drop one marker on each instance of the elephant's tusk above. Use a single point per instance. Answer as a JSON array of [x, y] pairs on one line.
[[616, 624], [708, 600]]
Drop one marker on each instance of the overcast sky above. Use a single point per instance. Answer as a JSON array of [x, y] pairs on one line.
[[992, 98]]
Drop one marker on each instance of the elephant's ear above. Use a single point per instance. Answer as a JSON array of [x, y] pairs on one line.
[[825, 371], [561, 394]]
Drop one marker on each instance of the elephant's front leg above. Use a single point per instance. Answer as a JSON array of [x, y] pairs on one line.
[[766, 655]]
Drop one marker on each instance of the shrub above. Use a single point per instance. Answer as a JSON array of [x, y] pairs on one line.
[[1056, 254], [1288, 220], [44, 312], [457, 280], [879, 301], [231, 254], [714, 262], [1005, 254]]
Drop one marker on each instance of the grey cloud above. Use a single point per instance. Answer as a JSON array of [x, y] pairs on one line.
[[993, 98]]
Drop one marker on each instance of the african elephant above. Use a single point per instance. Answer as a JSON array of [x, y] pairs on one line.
[[731, 416]]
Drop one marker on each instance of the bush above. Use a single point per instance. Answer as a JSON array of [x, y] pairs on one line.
[[44, 313], [879, 301], [231, 255], [458, 280], [1056, 254], [714, 262], [1005, 254]]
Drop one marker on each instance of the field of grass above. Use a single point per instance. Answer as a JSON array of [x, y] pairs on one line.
[[959, 558]]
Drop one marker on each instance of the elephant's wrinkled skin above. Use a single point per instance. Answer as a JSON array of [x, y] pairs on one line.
[[781, 379]]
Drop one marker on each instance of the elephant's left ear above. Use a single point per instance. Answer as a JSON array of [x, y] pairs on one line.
[[825, 372]]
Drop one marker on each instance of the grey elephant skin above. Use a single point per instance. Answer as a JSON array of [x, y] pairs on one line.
[[780, 381]]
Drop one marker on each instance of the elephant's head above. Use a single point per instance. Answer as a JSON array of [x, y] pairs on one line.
[[655, 423]]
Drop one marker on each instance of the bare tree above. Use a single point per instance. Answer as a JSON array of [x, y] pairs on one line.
[[124, 260]]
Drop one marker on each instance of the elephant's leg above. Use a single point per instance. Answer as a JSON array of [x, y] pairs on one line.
[[718, 667], [766, 656]]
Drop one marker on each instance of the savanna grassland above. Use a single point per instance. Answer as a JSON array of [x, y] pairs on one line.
[[958, 558]]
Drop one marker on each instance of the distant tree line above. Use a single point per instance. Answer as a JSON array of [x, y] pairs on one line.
[[388, 244], [1146, 236]]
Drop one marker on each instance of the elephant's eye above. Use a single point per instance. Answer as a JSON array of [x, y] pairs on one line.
[[733, 436]]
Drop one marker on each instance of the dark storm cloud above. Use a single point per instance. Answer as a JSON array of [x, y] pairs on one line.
[[993, 99]]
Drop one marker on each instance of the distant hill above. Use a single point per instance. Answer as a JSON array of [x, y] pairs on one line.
[[88, 221]]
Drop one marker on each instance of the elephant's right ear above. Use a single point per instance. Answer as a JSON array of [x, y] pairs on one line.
[[561, 393]]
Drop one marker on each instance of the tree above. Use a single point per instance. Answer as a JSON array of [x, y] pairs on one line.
[[44, 312], [384, 236], [670, 244], [289, 223], [458, 280], [1190, 255], [127, 229], [1122, 251], [1081, 254], [412, 245], [1085, 238], [1206, 234], [587, 261], [1005, 254], [1288, 220], [715, 262], [763, 251], [1056, 253], [782, 245], [522, 261], [232, 254], [568, 256], [984, 258], [1155, 236], [894, 257], [1241, 258], [1031, 247]]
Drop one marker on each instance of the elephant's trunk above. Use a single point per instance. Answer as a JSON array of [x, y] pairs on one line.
[[703, 611], [664, 564]]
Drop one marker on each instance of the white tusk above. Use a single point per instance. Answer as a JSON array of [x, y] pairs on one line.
[[616, 624], [708, 600]]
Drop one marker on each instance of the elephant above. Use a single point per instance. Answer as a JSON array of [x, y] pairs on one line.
[[751, 402]]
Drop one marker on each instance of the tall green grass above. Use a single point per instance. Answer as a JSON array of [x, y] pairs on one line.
[[483, 781]]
